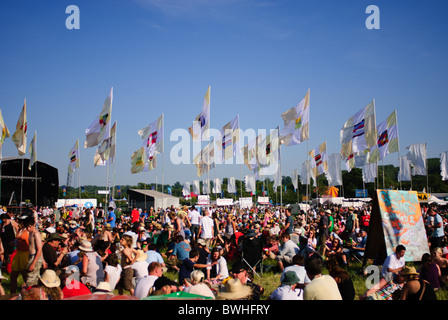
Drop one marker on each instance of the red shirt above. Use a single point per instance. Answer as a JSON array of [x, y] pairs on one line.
[[135, 216]]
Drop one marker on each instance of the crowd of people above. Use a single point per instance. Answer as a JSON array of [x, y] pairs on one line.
[[215, 253]]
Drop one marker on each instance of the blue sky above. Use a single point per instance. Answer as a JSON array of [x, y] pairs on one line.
[[259, 57]]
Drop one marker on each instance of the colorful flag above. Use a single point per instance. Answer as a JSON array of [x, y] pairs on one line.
[[138, 161], [296, 123], [417, 157], [357, 160], [334, 170], [19, 136], [33, 151], [105, 153], [201, 124], [4, 133], [74, 158], [359, 132], [444, 165], [319, 159], [387, 139], [100, 128], [152, 136]]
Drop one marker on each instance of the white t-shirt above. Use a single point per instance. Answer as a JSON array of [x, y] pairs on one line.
[[392, 262], [207, 227], [114, 275], [285, 292], [322, 288], [140, 269], [194, 216], [144, 285]]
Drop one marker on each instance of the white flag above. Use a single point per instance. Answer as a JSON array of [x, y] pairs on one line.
[[387, 139], [196, 187], [319, 160], [359, 132], [295, 179], [417, 157], [201, 123], [186, 189], [100, 127], [334, 170], [33, 151], [444, 165], [307, 173], [105, 153], [152, 136], [231, 186], [19, 136], [74, 158], [230, 138], [250, 183], [296, 123], [369, 172], [217, 185], [206, 186], [404, 174]]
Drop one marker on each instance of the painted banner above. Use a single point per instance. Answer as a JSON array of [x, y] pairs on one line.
[[403, 223], [203, 200]]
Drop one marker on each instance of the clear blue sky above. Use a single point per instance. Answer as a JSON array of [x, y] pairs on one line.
[[259, 57]]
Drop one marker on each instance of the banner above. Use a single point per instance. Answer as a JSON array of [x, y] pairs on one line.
[[397, 219], [246, 202], [203, 200], [263, 200], [224, 202]]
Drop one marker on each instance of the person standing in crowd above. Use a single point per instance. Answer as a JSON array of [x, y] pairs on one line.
[[195, 218], [111, 217], [35, 258], [436, 230], [206, 228]]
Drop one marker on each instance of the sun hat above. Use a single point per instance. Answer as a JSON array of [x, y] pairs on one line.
[[141, 256], [54, 236], [103, 288], [234, 289], [50, 279], [85, 245], [196, 276], [290, 278], [409, 271]]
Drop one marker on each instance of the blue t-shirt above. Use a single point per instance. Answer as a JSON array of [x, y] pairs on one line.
[[185, 270], [114, 218], [182, 250]]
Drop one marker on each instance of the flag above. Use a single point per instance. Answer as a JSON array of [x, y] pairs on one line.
[[357, 160], [33, 150], [186, 189], [250, 154], [387, 141], [105, 153], [267, 149], [359, 132], [99, 129], [140, 163], [74, 158], [306, 173], [216, 185], [404, 174], [206, 186], [295, 179], [417, 157], [231, 186], [19, 136], [334, 170], [168, 189], [205, 160], [201, 123], [4, 133], [369, 172], [230, 136], [296, 123], [250, 183], [152, 136], [444, 165], [319, 159], [196, 187]]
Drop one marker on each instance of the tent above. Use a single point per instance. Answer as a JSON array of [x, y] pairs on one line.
[[332, 191], [396, 218]]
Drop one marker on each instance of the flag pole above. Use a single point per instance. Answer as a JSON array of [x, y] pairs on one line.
[[163, 151], [398, 142]]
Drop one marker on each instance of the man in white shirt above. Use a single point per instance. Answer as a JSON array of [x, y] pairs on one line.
[[288, 290], [394, 263], [144, 286], [322, 286], [195, 218], [206, 228]]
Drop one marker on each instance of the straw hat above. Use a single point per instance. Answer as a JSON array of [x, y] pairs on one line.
[[103, 288], [196, 276], [50, 279], [85, 245], [234, 290], [141, 256], [411, 271]]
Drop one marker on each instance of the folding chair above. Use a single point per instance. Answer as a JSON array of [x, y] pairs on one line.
[[252, 254]]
